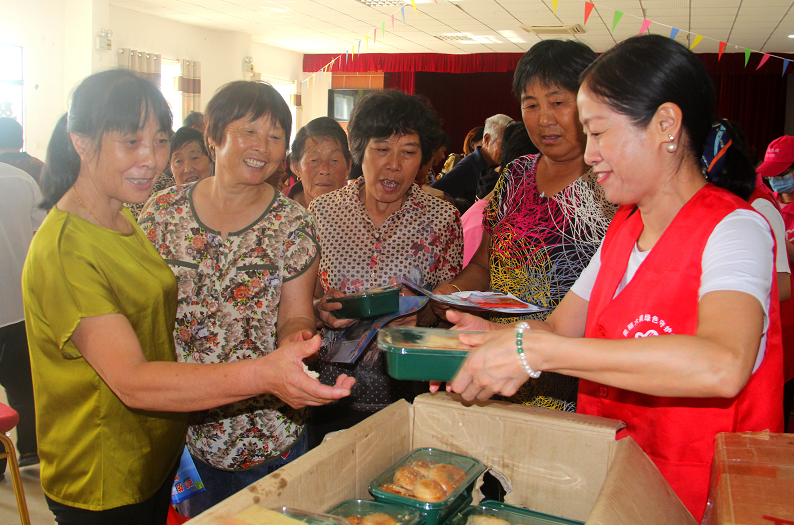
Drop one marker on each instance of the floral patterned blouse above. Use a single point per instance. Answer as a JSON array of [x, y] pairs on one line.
[[229, 291], [421, 241]]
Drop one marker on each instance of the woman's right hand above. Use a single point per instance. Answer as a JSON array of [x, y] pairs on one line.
[[442, 289], [324, 309], [284, 376]]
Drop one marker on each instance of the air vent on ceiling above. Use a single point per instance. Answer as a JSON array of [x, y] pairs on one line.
[[569, 29], [383, 3], [453, 37]]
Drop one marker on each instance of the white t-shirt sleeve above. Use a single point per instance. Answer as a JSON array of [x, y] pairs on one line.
[[737, 257], [768, 210], [583, 286]]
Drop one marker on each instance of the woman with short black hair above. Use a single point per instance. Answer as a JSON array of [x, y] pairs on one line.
[[548, 214], [100, 305], [321, 158], [377, 230], [674, 326]]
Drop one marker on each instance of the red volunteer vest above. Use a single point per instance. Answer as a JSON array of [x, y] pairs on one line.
[[662, 298]]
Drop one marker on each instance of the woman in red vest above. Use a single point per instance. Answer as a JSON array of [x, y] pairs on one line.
[[674, 326]]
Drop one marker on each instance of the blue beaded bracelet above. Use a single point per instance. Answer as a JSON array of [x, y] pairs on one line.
[[534, 374]]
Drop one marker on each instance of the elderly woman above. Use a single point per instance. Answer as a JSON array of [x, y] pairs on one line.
[[321, 158], [100, 305], [190, 161], [547, 215], [246, 261], [702, 357], [378, 229]]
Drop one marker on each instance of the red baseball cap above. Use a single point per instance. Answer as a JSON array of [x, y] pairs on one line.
[[779, 157]]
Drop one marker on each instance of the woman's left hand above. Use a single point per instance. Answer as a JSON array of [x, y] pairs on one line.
[[494, 367]]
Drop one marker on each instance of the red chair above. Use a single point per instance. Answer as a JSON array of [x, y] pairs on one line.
[[8, 420]]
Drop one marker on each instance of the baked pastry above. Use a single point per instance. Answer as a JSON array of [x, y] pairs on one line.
[[424, 466], [429, 490], [448, 476], [379, 519], [480, 519], [355, 520], [407, 476], [394, 488]]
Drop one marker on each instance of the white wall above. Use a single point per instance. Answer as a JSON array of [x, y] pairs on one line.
[[315, 97], [57, 37], [42, 38]]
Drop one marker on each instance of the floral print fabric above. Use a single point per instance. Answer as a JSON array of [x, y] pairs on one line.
[[229, 291], [421, 241]]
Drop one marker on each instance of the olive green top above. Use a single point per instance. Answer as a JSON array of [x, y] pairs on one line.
[[96, 453]]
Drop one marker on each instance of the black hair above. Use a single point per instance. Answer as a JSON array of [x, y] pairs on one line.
[[319, 128], [641, 73], [186, 135], [475, 135], [381, 114], [116, 100], [443, 142], [194, 118], [515, 143], [552, 63], [244, 99], [10, 134]]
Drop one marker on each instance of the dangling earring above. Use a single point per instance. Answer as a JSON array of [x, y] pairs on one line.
[[671, 147]]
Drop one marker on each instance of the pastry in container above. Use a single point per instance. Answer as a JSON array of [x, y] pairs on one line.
[[434, 482], [363, 512], [422, 354], [496, 513]]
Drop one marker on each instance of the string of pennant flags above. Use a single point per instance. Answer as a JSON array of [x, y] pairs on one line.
[[356, 48], [617, 16], [674, 31]]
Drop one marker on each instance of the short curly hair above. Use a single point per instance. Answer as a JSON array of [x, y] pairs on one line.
[[381, 114]]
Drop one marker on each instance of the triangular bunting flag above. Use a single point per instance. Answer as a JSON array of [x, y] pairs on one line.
[[645, 25], [722, 48], [763, 61], [383, 28], [353, 53], [375, 35], [402, 10], [413, 3], [747, 56], [616, 19], [392, 21], [346, 53], [367, 39], [554, 6], [673, 33], [588, 8], [359, 47], [785, 65], [696, 41]]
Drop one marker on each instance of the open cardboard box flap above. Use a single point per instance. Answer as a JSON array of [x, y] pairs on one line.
[[560, 463]]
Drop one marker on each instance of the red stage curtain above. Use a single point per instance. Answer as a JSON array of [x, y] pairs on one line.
[[411, 62], [756, 99]]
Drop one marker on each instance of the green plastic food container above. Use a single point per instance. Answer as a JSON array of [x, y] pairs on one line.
[[312, 518], [434, 513], [510, 514], [360, 507], [422, 354], [370, 303]]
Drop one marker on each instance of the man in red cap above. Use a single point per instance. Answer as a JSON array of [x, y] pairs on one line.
[[778, 169]]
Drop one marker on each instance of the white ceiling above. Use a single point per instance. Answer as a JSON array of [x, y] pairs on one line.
[[331, 26]]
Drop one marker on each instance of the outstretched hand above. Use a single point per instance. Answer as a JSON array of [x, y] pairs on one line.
[[284, 376]]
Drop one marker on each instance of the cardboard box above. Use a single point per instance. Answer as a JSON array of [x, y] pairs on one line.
[[752, 480], [555, 462]]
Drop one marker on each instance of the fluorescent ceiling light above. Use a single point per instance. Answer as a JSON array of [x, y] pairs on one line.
[[512, 36]]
